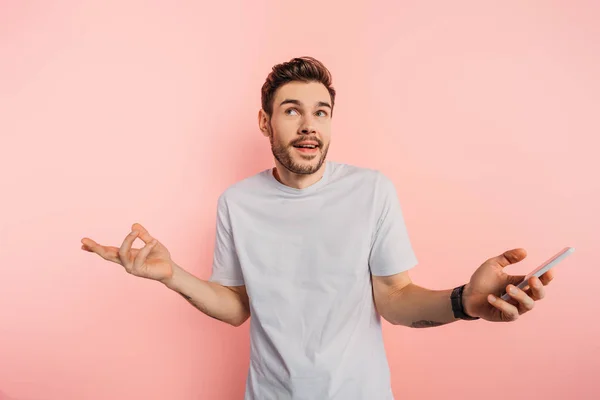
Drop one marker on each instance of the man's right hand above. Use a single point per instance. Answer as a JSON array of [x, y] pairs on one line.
[[153, 261]]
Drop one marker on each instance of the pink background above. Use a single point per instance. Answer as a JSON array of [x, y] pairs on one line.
[[485, 115]]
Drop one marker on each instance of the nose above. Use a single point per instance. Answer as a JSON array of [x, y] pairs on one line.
[[307, 131], [307, 127]]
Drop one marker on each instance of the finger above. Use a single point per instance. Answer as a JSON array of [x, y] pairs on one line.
[[509, 312], [88, 243], [86, 248], [526, 302], [536, 288], [144, 234], [547, 276], [124, 250], [515, 279], [107, 252], [140, 259], [510, 257]]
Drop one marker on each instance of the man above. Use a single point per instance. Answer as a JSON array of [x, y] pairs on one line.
[[316, 251]]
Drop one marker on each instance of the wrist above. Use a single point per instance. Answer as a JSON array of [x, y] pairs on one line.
[[458, 306], [171, 280], [466, 300]]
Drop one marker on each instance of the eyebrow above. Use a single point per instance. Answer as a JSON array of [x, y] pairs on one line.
[[299, 103]]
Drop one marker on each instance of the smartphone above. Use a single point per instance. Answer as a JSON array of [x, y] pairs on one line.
[[524, 285]]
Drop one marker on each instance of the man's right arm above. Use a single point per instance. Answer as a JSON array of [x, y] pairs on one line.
[[228, 304]]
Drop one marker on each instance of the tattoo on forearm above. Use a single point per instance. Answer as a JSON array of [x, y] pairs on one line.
[[426, 324], [188, 298], [198, 306]]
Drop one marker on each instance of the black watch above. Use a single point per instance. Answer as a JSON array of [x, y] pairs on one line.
[[457, 305]]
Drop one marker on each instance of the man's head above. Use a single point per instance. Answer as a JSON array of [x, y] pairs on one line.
[[297, 106]]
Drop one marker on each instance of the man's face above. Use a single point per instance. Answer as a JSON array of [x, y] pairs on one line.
[[300, 126]]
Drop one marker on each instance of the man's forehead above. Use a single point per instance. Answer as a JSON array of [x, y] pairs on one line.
[[307, 93]]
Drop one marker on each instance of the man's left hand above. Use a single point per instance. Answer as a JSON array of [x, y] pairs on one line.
[[481, 297]]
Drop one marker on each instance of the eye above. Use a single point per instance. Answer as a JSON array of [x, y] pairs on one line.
[[288, 110], [324, 113]]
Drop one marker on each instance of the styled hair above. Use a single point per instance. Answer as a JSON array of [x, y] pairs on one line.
[[303, 69]]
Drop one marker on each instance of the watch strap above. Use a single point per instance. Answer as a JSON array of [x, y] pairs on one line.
[[457, 305]]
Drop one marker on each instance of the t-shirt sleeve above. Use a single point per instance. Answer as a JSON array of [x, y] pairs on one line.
[[226, 269], [391, 251]]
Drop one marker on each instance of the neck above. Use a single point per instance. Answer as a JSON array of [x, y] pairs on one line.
[[297, 181]]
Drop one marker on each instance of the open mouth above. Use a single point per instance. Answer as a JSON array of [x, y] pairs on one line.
[[308, 149]]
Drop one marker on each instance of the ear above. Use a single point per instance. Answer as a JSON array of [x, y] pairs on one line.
[[263, 122]]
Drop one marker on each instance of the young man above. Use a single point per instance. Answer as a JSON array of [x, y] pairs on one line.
[[316, 251]]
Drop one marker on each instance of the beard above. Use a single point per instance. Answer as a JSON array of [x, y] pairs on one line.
[[283, 154]]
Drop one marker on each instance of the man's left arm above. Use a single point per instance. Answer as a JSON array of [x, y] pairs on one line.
[[401, 302]]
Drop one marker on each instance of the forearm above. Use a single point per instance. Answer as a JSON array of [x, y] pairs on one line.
[[418, 307], [212, 299]]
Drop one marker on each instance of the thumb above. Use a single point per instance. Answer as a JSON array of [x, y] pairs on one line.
[[510, 257]]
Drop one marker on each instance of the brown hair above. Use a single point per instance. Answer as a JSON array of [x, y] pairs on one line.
[[304, 69]]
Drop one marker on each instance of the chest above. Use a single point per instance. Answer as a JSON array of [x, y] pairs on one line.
[[305, 239]]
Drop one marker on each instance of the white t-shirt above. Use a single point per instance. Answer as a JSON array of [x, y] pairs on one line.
[[305, 256]]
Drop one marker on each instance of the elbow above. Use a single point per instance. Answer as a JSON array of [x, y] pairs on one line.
[[240, 320], [388, 309], [398, 320], [386, 315], [391, 320], [237, 323], [392, 309]]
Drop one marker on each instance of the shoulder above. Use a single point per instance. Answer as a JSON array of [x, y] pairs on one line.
[[365, 176], [238, 191]]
